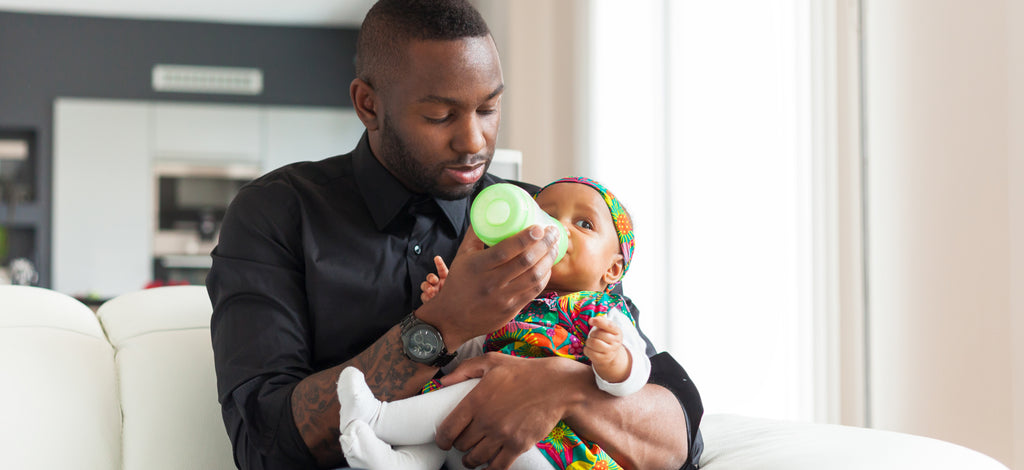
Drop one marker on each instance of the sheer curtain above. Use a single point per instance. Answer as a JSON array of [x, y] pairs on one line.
[[714, 121]]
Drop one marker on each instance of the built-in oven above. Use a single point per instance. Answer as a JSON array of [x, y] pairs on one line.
[[191, 200]]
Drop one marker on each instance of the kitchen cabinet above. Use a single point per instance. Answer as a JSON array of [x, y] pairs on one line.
[[102, 197], [296, 134], [208, 133], [106, 158]]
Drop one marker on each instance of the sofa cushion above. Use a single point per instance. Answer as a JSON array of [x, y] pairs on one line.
[[167, 384], [59, 402], [741, 442]]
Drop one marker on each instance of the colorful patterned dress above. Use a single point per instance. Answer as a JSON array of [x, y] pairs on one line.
[[558, 326]]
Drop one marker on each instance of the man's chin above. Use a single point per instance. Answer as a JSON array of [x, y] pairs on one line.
[[451, 192]]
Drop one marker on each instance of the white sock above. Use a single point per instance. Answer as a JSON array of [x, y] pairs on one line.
[[363, 449], [411, 421], [356, 399], [415, 420]]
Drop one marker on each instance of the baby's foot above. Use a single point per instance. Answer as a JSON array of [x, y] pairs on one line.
[[355, 397], [363, 449]]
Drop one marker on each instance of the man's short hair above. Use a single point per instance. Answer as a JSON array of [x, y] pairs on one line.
[[390, 24]]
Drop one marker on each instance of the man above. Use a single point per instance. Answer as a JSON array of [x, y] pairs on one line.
[[319, 265]]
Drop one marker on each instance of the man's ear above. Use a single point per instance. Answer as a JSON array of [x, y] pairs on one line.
[[614, 272], [364, 99]]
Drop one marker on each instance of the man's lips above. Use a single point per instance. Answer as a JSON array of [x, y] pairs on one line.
[[466, 174]]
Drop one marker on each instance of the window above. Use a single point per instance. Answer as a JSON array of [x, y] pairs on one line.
[[711, 120]]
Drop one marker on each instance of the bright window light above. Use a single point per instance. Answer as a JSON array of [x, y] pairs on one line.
[[701, 118]]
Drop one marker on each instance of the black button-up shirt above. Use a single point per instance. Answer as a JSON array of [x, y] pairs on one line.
[[316, 261]]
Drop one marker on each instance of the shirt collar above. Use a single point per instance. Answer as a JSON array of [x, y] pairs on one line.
[[385, 196]]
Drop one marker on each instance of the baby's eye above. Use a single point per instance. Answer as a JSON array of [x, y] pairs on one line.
[[584, 224]]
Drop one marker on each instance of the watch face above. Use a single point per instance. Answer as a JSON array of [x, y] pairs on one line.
[[424, 344]]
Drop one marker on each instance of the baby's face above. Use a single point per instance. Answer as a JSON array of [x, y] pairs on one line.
[[593, 259]]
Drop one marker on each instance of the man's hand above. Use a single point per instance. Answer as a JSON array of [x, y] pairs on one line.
[[516, 404], [485, 288], [604, 347]]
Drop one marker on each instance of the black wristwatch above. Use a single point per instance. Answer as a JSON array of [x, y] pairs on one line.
[[422, 343]]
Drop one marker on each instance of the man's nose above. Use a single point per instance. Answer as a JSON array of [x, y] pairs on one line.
[[469, 138]]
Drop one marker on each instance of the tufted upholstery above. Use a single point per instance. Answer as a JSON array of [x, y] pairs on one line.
[[59, 405], [167, 383]]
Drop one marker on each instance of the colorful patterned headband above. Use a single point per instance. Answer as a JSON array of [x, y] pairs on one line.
[[620, 218]]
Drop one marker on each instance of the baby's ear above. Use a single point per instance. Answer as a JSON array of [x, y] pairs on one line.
[[614, 272]]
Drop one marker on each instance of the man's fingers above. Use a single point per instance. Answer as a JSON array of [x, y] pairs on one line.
[[468, 438], [519, 247], [531, 280], [470, 243], [452, 428], [472, 368], [503, 460], [482, 452]]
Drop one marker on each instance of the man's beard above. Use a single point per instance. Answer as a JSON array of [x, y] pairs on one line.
[[419, 177]]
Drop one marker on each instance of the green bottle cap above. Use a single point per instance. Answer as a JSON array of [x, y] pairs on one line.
[[502, 210]]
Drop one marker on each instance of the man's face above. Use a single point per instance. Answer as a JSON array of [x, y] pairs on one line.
[[441, 114]]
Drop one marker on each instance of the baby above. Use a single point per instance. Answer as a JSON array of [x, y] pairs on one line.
[[575, 317]]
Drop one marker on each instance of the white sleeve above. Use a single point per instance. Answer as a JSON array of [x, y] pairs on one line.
[[471, 348], [637, 349]]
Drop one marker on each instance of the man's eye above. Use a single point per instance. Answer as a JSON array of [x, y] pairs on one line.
[[486, 112], [584, 224], [436, 120]]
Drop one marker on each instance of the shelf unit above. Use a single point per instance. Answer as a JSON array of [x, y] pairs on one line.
[[23, 221]]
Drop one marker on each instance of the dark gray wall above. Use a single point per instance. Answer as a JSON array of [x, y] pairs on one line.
[[43, 57]]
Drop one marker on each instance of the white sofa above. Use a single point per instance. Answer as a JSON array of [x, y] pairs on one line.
[[133, 387]]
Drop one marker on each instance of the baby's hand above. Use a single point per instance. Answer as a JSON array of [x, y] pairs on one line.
[[604, 347], [434, 282]]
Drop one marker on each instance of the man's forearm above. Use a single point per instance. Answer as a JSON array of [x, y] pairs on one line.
[[644, 430], [314, 401]]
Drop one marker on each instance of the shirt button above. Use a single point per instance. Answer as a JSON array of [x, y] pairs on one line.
[[416, 249]]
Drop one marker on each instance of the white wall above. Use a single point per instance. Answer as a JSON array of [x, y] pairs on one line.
[[939, 211], [538, 41]]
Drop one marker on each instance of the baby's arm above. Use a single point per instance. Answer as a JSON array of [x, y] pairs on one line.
[[434, 282], [618, 354], [604, 347]]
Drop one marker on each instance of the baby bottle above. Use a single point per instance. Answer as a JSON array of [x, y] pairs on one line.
[[502, 210]]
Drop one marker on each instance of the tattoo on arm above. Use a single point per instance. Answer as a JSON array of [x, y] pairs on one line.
[[388, 372], [314, 402]]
